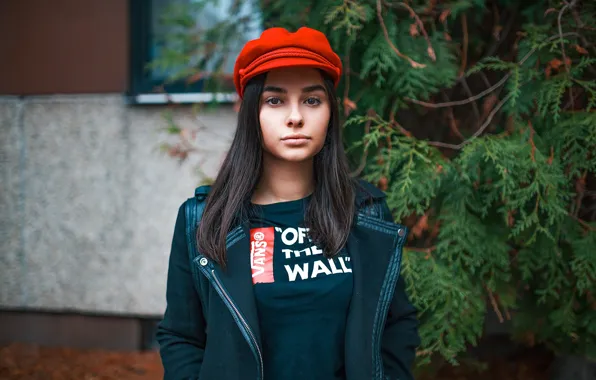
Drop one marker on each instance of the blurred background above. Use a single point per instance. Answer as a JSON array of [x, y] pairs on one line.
[[475, 116]]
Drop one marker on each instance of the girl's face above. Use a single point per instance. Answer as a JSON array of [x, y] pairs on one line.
[[294, 113]]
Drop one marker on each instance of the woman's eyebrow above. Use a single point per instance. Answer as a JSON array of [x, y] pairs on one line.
[[313, 88], [307, 89], [275, 89]]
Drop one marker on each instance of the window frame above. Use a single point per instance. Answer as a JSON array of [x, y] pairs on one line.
[[141, 88]]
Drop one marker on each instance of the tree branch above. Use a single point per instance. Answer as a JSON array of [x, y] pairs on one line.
[[364, 157], [421, 250], [464, 84], [430, 49], [413, 63], [578, 20], [494, 304], [395, 124], [532, 144], [490, 89], [567, 5], [479, 131], [483, 77], [452, 122], [583, 222], [505, 32], [346, 77], [464, 101], [464, 60], [580, 187]]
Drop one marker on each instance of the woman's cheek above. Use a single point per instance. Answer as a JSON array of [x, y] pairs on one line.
[[267, 120], [321, 123]]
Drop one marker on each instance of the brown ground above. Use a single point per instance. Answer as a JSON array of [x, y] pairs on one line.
[[30, 362]]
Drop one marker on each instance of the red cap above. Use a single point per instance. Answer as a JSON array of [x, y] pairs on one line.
[[277, 48]]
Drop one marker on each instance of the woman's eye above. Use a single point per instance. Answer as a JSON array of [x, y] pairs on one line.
[[273, 101], [313, 101]]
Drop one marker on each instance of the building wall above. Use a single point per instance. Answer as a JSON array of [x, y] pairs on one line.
[[63, 46], [88, 201]]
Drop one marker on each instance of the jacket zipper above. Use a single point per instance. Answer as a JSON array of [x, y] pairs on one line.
[[387, 291], [240, 321]]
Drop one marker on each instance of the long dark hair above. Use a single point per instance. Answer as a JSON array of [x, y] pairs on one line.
[[331, 208]]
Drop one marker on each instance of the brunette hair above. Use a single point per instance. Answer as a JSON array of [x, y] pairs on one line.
[[331, 209]]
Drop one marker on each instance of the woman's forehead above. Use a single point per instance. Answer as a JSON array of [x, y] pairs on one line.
[[291, 77]]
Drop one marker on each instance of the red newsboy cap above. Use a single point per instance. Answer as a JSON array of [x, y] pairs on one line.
[[277, 48]]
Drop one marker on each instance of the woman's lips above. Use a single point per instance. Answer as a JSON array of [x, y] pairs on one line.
[[295, 140]]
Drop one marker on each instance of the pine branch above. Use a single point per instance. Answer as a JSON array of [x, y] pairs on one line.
[[420, 353], [493, 48], [464, 84], [346, 77], [430, 50], [483, 77], [492, 88], [464, 60], [578, 20], [464, 101], [532, 143], [494, 304], [583, 222], [581, 191], [452, 121], [428, 250], [478, 132], [395, 124], [567, 5], [371, 113], [413, 63]]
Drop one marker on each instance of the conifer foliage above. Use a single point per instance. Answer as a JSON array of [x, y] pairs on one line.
[[477, 118]]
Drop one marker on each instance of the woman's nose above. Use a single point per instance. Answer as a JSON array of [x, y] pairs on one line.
[[295, 119]]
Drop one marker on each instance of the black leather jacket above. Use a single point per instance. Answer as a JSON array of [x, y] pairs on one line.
[[210, 330]]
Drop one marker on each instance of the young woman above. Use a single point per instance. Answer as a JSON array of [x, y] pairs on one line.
[[292, 272]]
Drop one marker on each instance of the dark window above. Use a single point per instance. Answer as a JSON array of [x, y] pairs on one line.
[[163, 32]]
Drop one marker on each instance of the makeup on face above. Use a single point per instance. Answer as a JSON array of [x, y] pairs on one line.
[[295, 139], [294, 113]]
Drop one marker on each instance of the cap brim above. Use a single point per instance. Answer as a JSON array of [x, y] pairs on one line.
[[285, 62]]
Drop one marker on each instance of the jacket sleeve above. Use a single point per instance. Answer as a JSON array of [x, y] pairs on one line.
[[181, 333], [400, 337]]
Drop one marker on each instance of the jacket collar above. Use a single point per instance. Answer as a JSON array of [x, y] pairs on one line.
[[237, 276], [367, 193]]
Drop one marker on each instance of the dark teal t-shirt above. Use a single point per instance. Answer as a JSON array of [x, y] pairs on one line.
[[302, 297]]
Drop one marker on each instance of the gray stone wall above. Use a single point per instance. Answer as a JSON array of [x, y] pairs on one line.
[[88, 201]]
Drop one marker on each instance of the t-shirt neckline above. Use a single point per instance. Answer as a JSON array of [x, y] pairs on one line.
[[283, 206]]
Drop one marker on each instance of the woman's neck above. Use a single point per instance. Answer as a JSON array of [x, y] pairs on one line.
[[282, 181]]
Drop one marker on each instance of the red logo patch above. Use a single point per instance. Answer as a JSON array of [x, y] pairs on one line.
[[261, 254]]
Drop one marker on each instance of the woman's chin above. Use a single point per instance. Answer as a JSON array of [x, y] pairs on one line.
[[295, 155]]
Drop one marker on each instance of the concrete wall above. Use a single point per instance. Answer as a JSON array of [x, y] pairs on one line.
[[88, 201]]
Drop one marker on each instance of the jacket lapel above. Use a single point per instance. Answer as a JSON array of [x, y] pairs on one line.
[[371, 245], [237, 278]]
